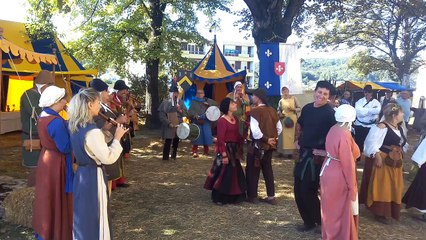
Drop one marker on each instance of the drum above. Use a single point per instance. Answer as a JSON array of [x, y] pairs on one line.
[[213, 113], [188, 131]]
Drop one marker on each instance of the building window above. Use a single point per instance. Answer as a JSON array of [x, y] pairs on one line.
[[230, 52], [237, 65], [249, 67], [238, 49], [250, 51], [195, 49], [250, 82]]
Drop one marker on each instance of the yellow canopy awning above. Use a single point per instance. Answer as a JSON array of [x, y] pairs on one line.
[[30, 56]]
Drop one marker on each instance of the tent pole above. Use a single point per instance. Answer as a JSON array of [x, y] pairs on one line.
[[1, 62], [54, 66]]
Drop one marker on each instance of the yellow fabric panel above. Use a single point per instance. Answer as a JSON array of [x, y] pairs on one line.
[[69, 62], [30, 56], [373, 85], [16, 33], [220, 71], [64, 114], [219, 63], [14, 92]]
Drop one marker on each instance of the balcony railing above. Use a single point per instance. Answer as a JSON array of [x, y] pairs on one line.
[[197, 52]]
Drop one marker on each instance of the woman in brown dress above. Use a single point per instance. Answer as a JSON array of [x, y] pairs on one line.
[[382, 181]]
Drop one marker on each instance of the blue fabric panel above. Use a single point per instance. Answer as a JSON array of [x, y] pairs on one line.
[[268, 56], [46, 46], [77, 86], [392, 86], [189, 95]]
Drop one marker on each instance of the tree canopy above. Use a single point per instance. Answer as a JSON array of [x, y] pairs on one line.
[[275, 20], [117, 32], [393, 32]]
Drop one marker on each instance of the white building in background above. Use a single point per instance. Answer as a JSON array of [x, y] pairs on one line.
[[241, 55]]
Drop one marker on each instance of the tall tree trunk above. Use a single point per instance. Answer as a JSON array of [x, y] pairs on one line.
[[152, 74], [269, 22], [153, 63]]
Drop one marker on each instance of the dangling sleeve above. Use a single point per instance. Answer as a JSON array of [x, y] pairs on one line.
[[97, 148], [221, 135], [374, 140]]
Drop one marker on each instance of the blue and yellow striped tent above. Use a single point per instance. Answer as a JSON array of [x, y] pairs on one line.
[[215, 75], [22, 59]]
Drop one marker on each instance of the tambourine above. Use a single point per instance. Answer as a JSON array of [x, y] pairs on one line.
[[212, 113]]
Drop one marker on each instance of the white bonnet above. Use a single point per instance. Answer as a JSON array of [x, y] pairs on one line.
[[345, 113], [237, 83], [51, 95]]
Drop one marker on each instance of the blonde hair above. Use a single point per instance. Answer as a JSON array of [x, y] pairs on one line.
[[391, 110], [78, 109]]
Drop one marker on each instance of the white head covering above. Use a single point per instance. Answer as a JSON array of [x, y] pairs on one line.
[[236, 84], [345, 113], [51, 95]]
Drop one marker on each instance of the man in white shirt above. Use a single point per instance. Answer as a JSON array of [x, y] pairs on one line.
[[367, 114], [404, 101], [265, 128]]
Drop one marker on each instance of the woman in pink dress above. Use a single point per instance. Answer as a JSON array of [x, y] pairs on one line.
[[339, 202]]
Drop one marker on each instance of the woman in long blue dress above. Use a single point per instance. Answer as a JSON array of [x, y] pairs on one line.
[[90, 197]]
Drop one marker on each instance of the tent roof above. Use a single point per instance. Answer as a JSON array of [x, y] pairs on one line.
[[214, 68], [16, 34], [18, 54], [354, 85], [393, 86]]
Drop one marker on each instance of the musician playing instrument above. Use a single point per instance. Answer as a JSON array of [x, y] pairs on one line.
[[90, 199], [197, 114], [118, 107], [171, 111], [115, 170]]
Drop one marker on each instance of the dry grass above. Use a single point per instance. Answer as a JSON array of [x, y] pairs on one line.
[[166, 200], [19, 206]]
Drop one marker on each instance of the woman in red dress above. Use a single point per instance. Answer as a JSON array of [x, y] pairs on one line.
[[226, 177]]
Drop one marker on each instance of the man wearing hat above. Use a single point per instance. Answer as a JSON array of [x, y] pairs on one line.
[[265, 127], [313, 124], [30, 112], [118, 105], [115, 170], [171, 111], [367, 114]]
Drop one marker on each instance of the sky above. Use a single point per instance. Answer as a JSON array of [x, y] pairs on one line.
[[15, 10]]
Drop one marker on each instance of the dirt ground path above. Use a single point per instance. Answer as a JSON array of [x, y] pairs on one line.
[[166, 200]]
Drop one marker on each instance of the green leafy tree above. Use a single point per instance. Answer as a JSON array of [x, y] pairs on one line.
[[150, 31], [275, 20], [392, 31]]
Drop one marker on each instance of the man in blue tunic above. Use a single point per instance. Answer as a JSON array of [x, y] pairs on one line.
[[197, 114]]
